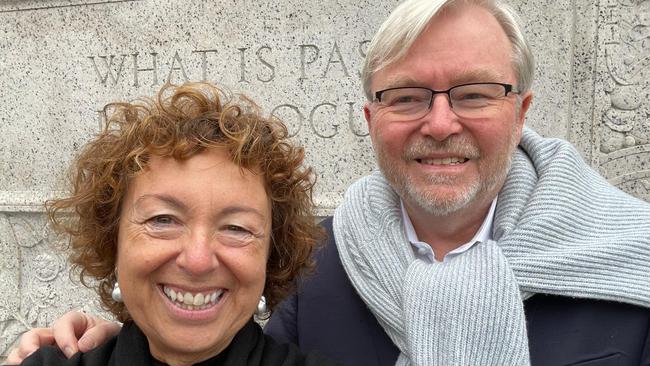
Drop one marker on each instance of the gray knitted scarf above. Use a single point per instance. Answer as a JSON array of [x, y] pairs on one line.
[[559, 228]]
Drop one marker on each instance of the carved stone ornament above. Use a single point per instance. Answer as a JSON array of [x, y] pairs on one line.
[[624, 76], [34, 278]]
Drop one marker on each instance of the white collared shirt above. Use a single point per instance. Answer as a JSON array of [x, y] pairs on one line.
[[425, 252]]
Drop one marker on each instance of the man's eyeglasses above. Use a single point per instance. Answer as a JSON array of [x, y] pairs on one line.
[[475, 100]]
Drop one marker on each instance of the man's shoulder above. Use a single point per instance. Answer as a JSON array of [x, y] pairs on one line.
[[327, 247], [564, 330], [328, 269], [284, 353], [326, 314]]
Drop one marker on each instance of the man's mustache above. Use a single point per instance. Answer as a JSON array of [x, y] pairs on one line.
[[424, 147]]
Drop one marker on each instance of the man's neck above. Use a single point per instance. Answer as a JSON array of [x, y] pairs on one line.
[[446, 233]]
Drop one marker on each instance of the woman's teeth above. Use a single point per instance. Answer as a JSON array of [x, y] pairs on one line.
[[190, 301]]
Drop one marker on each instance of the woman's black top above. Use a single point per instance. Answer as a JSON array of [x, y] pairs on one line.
[[249, 347]]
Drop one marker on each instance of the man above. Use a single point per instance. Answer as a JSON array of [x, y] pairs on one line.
[[479, 242]]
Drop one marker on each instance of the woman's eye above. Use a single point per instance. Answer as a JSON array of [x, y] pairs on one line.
[[236, 236], [236, 228], [164, 226], [161, 220]]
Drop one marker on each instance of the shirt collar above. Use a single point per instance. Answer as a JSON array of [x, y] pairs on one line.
[[483, 234]]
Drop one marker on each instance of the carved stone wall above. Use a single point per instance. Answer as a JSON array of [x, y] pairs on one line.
[[35, 273], [622, 129], [62, 60]]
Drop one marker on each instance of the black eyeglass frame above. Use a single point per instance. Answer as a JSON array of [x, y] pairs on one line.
[[509, 88]]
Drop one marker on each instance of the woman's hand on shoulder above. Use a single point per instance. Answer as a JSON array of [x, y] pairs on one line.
[[74, 332], [29, 342]]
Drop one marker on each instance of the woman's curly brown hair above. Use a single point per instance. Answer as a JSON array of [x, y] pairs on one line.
[[181, 122]]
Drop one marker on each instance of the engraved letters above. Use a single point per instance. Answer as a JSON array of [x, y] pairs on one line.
[[111, 71], [252, 64], [204, 62], [179, 67], [308, 55], [153, 69], [327, 117], [314, 62], [265, 63], [336, 59], [322, 119], [289, 118]]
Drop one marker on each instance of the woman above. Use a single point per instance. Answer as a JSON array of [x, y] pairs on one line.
[[184, 211]]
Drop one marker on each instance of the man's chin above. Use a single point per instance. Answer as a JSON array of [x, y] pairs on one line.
[[441, 199]]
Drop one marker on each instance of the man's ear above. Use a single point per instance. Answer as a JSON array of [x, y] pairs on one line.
[[521, 118], [367, 113], [525, 104]]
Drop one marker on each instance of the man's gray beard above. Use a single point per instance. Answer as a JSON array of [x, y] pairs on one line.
[[427, 199]]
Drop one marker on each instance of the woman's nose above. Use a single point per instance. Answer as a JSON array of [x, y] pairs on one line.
[[198, 255]]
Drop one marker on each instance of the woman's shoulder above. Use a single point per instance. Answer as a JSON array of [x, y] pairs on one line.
[[251, 347], [129, 345], [50, 356]]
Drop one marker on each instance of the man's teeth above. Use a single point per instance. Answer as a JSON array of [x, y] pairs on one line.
[[192, 301], [444, 161]]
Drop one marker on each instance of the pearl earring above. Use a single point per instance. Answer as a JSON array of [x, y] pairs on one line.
[[261, 307], [116, 294]]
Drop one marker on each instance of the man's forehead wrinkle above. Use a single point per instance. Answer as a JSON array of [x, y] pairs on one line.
[[396, 81], [466, 76], [477, 75]]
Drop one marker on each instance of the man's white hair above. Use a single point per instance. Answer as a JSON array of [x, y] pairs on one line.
[[403, 26]]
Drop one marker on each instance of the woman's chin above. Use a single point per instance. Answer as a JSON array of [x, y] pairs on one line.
[[180, 333]]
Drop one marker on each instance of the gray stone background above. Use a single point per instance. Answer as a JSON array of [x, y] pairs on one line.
[[62, 60]]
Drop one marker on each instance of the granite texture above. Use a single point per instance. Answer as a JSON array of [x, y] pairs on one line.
[[61, 61]]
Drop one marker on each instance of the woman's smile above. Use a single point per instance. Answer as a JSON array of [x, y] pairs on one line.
[[191, 306], [193, 300]]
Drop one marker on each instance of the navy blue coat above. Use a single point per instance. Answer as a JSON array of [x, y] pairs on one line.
[[327, 315]]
